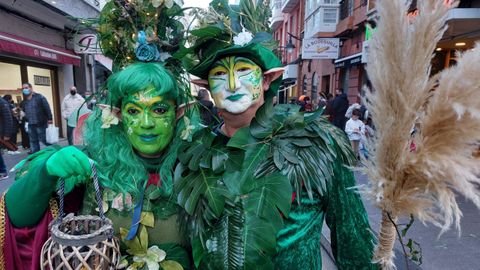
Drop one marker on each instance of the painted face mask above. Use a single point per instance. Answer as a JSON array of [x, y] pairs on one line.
[[235, 83], [149, 121]]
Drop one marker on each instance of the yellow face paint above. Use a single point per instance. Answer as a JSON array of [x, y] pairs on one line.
[[235, 83]]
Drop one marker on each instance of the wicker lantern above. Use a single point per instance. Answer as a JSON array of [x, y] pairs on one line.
[[81, 242]]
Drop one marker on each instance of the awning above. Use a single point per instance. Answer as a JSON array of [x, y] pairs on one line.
[[105, 61], [19, 45], [351, 60]]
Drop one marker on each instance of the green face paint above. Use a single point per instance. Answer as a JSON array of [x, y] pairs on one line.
[[235, 83], [149, 121]]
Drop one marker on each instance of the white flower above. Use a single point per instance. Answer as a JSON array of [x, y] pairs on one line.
[[179, 2], [154, 256], [188, 129], [120, 204], [156, 3], [242, 38], [164, 56], [108, 117], [169, 3]]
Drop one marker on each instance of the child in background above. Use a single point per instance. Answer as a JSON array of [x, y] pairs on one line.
[[355, 129]]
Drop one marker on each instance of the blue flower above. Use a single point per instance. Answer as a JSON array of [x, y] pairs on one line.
[[142, 37], [147, 52]]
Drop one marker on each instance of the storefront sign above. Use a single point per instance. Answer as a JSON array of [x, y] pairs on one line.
[[25, 47], [41, 80], [86, 43], [320, 48], [352, 60]]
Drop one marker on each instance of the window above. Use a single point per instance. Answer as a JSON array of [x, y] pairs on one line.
[[350, 7], [314, 87], [330, 15], [330, 1], [304, 87]]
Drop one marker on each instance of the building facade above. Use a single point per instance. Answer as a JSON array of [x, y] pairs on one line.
[[36, 46], [350, 74]]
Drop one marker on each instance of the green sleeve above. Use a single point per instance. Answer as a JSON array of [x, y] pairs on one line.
[[352, 240], [27, 199]]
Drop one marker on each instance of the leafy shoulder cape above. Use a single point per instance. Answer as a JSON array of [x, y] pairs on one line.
[[237, 192]]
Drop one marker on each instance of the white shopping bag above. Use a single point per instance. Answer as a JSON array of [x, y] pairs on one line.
[[52, 134]]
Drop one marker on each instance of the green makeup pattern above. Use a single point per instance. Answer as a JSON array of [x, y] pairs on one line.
[[149, 121]]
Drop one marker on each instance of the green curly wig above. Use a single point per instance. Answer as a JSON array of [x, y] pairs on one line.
[[121, 168]]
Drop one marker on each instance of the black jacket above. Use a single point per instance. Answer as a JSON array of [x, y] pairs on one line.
[[340, 105], [208, 113], [6, 119]]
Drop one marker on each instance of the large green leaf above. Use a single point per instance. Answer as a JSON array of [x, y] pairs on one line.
[[202, 183], [209, 31]]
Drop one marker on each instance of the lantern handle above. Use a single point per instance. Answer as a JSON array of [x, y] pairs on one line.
[[98, 194]]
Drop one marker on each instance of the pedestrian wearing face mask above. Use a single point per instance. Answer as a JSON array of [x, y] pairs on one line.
[[71, 103], [38, 115]]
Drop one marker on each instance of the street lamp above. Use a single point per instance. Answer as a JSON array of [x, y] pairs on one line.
[[290, 46]]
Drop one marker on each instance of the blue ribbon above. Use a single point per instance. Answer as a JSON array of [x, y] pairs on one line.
[[137, 213]]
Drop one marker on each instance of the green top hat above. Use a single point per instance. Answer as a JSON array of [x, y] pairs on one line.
[[238, 30]]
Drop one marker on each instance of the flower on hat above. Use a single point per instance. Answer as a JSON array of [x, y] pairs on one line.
[[242, 38]]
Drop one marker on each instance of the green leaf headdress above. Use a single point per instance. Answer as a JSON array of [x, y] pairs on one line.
[[232, 30], [144, 31]]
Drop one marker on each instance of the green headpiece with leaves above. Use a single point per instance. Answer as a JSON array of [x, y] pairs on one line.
[[143, 30], [226, 30]]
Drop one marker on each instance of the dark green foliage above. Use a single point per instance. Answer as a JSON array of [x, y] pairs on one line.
[[235, 191]]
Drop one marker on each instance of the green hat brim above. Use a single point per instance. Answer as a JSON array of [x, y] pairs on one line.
[[262, 56]]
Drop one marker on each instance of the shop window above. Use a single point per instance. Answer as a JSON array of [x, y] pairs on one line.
[[344, 79]]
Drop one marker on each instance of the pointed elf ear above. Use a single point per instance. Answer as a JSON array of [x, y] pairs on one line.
[[117, 112], [271, 75], [201, 82], [181, 109]]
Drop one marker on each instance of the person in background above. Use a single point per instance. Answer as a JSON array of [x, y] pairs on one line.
[[6, 129], [38, 115], [339, 108], [355, 129], [322, 101], [208, 111], [328, 108], [15, 126], [72, 102], [23, 125]]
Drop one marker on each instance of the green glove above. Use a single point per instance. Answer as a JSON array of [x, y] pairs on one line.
[[68, 162], [36, 186]]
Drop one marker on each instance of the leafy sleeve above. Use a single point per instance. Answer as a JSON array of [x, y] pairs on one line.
[[352, 241]]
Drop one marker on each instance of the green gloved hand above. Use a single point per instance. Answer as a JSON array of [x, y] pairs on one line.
[[67, 162]]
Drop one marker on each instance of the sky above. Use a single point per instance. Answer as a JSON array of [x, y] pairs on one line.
[[196, 3]]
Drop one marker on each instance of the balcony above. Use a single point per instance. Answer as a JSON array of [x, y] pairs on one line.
[[462, 26], [289, 5], [77, 9], [321, 22], [277, 15], [290, 72]]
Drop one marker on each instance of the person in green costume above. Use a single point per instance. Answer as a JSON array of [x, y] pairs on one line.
[[132, 139], [257, 189]]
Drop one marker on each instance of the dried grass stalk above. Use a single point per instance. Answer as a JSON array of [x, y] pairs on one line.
[[420, 182]]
